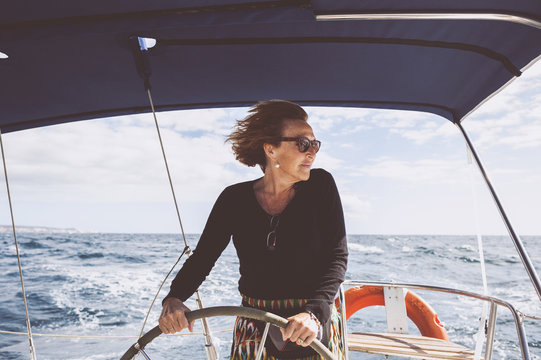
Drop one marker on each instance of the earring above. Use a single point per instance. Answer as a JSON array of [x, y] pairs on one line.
[[277, 165]]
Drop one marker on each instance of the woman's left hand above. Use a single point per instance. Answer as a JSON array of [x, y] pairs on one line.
[[301, 329]]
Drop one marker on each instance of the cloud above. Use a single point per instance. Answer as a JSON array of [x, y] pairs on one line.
[[327, 118], [526, 136], [117, 160], [401, 119], [510, 118], [411, 125], [327, 161], [217, 121], [113, 162], [424, 171], [338, 121], [513, 130], [354, 206], [426, 132], [523, 89]]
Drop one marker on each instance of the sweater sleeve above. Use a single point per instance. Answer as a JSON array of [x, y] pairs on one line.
[[213, 241], [334, 259]]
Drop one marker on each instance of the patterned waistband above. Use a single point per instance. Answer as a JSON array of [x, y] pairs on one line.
[[274, 304]]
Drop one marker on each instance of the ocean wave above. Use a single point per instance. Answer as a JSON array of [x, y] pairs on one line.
[[365, 249], [104, 284], [130, 259], [32, 244], [86, 256], [468, 259]]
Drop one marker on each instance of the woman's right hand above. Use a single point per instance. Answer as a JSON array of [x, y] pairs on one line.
[[173, 317]]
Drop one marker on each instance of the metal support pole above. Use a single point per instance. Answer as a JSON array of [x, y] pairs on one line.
[[343, 324], [490, 330], [210, 349], [521, 332], [516, 240], [262, 342], [145, 355]]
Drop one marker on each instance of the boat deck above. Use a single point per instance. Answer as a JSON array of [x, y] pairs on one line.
[[409, 346]]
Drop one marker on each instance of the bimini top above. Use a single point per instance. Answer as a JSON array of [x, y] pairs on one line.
[[70, 61]]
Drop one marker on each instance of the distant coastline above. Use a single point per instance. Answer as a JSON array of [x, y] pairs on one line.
[[39, 229]]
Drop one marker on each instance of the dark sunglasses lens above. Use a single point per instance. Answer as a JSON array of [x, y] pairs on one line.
[[303, 144], [316, 144]]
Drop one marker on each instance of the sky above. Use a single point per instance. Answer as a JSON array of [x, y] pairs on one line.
[[398, 172]]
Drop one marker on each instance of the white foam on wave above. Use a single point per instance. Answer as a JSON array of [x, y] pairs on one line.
[[365, 249], [467, 247], [394, 239], [92, 294]]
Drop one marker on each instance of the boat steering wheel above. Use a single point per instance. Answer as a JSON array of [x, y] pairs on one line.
[[247, 312]]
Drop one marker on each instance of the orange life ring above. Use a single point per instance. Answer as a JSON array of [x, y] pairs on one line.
[[422, 314]]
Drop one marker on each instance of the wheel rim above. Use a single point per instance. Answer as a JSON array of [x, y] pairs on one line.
[[247, 312]]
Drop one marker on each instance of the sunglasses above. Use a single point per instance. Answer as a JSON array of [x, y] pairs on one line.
[[303, 143], [271, 236]]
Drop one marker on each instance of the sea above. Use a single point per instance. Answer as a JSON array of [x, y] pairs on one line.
[[89, 293]]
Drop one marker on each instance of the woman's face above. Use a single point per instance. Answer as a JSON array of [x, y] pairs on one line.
[[294, 165]]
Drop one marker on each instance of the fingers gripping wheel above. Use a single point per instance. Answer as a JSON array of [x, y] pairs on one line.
[[225, 311]]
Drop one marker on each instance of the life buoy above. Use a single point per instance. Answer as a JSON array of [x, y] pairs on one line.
[[422, 314]]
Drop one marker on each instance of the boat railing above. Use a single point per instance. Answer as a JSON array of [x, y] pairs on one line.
[[518, 317]]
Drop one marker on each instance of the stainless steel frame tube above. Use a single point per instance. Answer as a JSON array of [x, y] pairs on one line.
[[516, 240]]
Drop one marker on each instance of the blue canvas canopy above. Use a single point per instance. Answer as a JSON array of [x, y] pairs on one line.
[[70, 61]]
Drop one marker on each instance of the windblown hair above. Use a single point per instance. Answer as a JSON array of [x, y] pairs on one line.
[[263, 125]]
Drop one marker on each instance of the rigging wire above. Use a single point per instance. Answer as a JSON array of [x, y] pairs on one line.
[[480, 335], [166, 166], [30, 339], [209, 346], [185, 251], [142, 62], [186, 247]]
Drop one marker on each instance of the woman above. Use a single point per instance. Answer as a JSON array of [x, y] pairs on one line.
[[288, 230]]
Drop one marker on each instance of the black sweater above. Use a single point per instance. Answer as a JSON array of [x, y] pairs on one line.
[[311, 250]]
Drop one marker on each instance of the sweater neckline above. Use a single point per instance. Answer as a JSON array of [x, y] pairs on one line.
[[261, 209]]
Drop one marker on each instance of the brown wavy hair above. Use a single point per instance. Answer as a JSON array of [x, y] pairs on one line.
[[263, 125]]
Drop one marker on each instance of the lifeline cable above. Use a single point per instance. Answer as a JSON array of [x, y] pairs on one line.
[[30, 339], [69, 336]]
